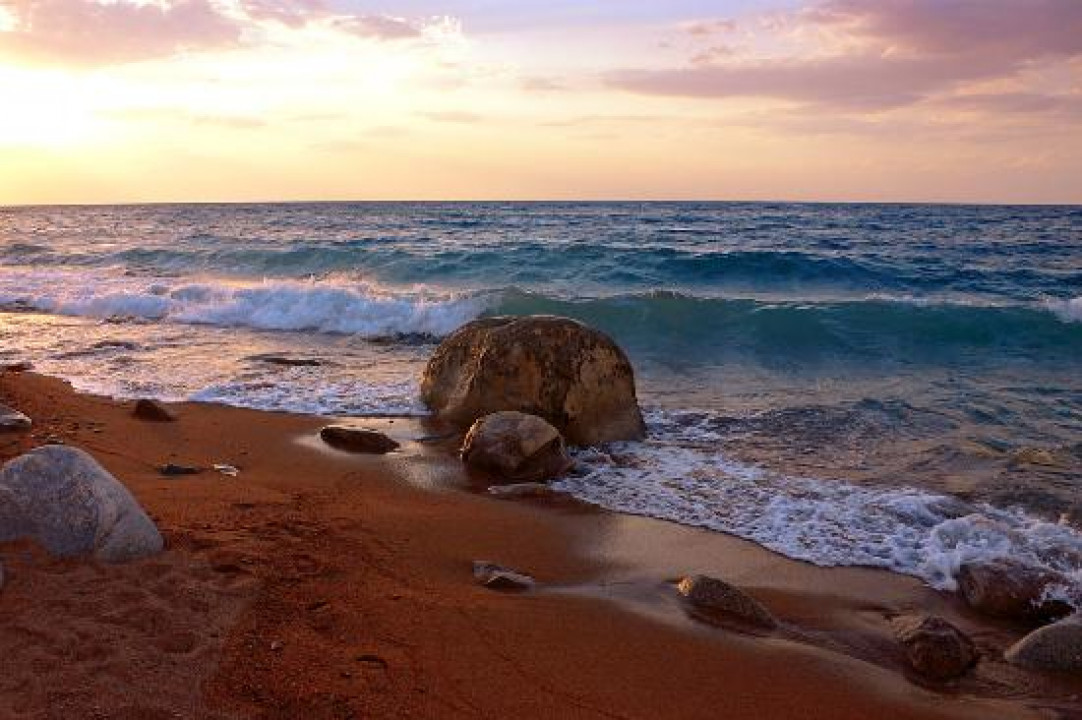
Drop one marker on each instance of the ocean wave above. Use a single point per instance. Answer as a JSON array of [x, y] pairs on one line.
[[327, 307], [895, 328], [827, 523]]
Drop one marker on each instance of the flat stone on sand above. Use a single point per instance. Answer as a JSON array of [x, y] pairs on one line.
[[718, 602], [12, 419], [498, 577]]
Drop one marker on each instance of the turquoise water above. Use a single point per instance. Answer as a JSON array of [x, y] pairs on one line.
[[862, 348]]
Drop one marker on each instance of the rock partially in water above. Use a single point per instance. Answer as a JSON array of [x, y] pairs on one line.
[[64, 500], [11, 420], [521, 490], [357, 440], [152, 411], [571, 375], [934, 648], [720, 603], [287, 361], [1052, 647], [498, 577], [515, 448], [1008, 589]]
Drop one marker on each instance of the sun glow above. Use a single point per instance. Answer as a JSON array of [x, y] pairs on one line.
[[45, 109]]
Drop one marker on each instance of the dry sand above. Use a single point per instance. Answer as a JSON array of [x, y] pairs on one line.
[[318, 584]]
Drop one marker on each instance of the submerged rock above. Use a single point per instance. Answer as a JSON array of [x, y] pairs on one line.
[[720, 603], [498, 577], [357, 440], [153, 411], [934, 648], [521, 490], [1008, 589], [515, 447], [571, 375], [1053, 647], [64, 500], [13, 420], [287, 361]]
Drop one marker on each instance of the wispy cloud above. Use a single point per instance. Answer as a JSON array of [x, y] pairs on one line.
[[453, 116]]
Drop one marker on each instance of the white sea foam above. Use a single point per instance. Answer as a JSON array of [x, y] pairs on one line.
[[828, 523], [1067, 310], [320, 306], [341, 397]]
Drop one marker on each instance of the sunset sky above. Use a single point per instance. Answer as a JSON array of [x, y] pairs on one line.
[[163, 100]]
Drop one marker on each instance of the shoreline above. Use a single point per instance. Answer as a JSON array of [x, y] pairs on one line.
[[336, 585]]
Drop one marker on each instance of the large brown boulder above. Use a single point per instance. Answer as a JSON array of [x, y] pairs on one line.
[[515, 447], [1053, 647], [1008, 589], [934, 648], [573, 376]]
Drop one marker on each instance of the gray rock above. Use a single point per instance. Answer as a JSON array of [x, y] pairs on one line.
[[172, 469], [515, 448], [357, 440], [1008, 589], [1053, 647], [64, 500], [12, 419], [720, 603], [497, 577], [573, 376], [934, 648], [153, 411]]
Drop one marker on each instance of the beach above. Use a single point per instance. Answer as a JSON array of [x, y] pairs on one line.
[[322, 584]]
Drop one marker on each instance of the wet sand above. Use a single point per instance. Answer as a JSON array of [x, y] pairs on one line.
[[318, 584]]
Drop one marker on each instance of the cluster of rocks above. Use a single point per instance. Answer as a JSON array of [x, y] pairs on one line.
[[1013, 591], [527, 387]]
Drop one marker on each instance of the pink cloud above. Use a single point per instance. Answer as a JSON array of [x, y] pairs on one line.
[[88, 32], [94, 32], [894, 52]]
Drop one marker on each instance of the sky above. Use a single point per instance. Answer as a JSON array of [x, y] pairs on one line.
[[249, 100]]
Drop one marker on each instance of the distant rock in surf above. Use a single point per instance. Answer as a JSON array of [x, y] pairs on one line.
[[719, 603], [515, 448], [286, 361], [1052, 647], [153, 411], [13, 420], [934, 648], [63, 499], [571, 375], [1008, 589], [357, 440]]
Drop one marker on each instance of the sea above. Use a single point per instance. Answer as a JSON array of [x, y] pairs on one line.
[[894, 386]]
